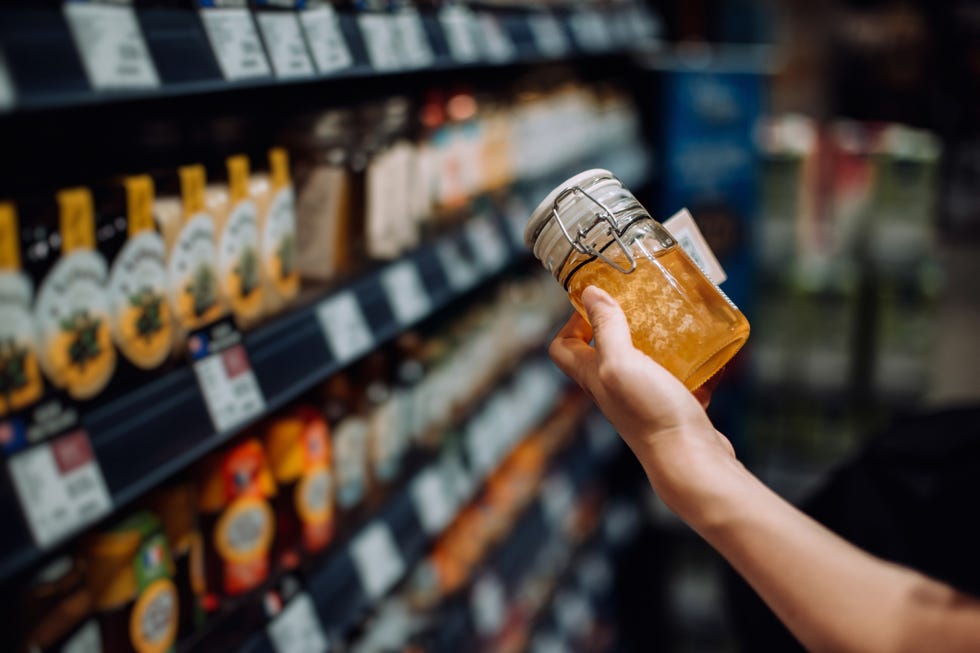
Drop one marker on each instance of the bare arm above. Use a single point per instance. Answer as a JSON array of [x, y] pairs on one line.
[[829, 593]]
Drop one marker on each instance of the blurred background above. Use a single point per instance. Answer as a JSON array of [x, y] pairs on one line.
[[272, 349]]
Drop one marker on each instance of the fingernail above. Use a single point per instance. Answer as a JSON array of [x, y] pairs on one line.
[[596, 294]]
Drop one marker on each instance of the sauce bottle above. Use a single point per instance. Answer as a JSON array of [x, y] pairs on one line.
[[298, 446], [590, 230], [236, 519], [237, 228], [130, 577], [71, 311], [56, 611], [20, 373]]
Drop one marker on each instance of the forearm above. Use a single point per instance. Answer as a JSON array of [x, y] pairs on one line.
[[830, 594]]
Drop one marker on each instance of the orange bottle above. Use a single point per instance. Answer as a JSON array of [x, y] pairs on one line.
[[234, 489]]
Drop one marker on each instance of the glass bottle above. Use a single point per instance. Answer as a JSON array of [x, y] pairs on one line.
[[591, 230]]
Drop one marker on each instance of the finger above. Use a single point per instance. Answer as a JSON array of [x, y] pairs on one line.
[[609, 326], [574, 357], [576, 327]]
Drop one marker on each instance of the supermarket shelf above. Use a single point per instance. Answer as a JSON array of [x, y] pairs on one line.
[[48, 72], [337, 589], [161, 427]]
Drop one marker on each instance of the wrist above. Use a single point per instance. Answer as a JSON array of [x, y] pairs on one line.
[[697, 478]]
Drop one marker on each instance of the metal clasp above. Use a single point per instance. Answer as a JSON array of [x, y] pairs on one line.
[[605, 215]]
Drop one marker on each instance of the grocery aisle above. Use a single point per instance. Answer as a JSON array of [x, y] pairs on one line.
[[273, 345]]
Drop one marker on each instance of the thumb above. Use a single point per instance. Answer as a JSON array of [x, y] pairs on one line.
[[609, 326]]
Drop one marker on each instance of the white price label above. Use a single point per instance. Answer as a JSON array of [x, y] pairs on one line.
[[345, 327], [87, 639], [284, 41], [7, 94], [574, 614], [433, 502], [489, 247], [376, 557], [326, 40], [557, 498], [412, 41], [457, 480], [381, 41], [460, 271], [482, 444], [297, 628], [60, 487], [547, 642], [406, 293], [497, 45], [516, 217], [111, 46], [591, 31], [231, 391], [460, 30], [235, 42], [548, 35], [489, 605]]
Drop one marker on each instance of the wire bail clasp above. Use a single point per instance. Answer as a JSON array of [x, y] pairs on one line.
[[604, 215]]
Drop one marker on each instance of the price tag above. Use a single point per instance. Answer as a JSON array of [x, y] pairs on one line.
[[457, 480], [284, 41], [297, 628], [235, 42], [224, 373], [111, 46], [685, 231], [344, 327], [406, 293], [489, 247], [590, 31], [412, 41], [481, 443], [432, 500], [548, 36], [547, 642], [497, 45], [7, 94], [460, 31], [488, 604], [381, 41], [376, 557], [326, 40], [574, 614], [460, 271], [60, 487], [557, 498]]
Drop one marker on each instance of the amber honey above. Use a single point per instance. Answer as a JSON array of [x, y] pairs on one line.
[[676, 315]]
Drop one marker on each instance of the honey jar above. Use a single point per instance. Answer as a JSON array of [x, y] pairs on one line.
[[591, 230]]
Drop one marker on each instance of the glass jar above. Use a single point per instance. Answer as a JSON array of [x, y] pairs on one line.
[[590, 230]]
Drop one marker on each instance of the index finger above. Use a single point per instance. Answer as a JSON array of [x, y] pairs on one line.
[[577, 327]]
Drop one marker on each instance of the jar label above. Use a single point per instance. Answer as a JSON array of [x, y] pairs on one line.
[[72, 318], [314, 505], [192, 275], [153, 622], [20, 383], [238, 261], [279, 244], [142, 324], [242, 538], [685, 231]]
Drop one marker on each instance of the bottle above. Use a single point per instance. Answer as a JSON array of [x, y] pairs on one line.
[[235, 487], [130, 577], [237, 228], [298, 447], [590, 230], [55, 611], [20, 380]]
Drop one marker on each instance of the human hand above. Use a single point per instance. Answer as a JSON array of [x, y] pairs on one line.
[[662, 422]]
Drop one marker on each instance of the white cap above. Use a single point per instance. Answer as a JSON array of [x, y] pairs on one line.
[[541, 215]]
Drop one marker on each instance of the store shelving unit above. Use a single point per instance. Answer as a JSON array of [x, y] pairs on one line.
[[148, 433]]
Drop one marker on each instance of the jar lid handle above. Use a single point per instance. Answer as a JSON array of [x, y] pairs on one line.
[[604, 215]]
